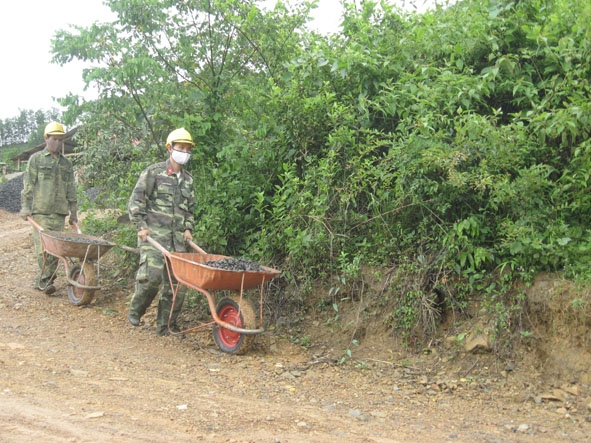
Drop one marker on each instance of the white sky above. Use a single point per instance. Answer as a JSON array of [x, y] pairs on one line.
[[27, 78]]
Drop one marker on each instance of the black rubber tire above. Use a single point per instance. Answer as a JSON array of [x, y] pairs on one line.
[[85, 276], [240, 314]]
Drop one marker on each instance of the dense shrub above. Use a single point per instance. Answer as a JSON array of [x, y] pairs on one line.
[[457, 137]]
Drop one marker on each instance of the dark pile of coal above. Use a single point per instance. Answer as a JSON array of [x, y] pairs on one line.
[[10, 194], [235, 264]]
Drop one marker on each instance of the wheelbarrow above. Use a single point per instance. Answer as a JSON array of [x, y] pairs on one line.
[[80, 255], [235, 323]]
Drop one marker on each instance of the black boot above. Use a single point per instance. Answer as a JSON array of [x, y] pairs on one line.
[[46, 285], [163, 330], [133, 318]]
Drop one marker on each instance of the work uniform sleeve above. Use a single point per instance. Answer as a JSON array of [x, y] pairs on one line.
[[190, 219], [137, 206], [71, 195], [29, 181]]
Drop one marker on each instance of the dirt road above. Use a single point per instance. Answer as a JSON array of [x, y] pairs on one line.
[[83, 374]]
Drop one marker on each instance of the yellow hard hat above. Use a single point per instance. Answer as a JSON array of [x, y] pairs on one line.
[[54, 128], [180, 135]]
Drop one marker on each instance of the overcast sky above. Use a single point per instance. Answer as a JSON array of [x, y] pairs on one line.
[[27, 78]]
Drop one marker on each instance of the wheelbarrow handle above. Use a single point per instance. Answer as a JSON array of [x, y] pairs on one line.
[[77, 228], [165, 251], [158, 246], [196, 247], [40, 228], [128, 248], [34, 223]]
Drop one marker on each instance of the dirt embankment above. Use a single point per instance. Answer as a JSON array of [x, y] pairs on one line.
[[83, 374]]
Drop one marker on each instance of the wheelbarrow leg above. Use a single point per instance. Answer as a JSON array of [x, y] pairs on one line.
[[173, 306], [176, 304]]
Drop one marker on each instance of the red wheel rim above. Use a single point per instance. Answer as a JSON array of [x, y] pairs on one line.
[[229, 314]]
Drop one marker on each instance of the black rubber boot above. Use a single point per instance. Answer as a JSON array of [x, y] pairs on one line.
[[133, 318]]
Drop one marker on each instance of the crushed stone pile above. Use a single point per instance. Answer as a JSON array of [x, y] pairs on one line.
[[235, 264], [10, 194]]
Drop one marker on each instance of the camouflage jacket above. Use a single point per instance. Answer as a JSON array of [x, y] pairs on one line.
[[164, 204], [48, 185]]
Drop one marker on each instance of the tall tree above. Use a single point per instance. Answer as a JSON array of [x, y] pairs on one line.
[[27, 127], [202, 64]]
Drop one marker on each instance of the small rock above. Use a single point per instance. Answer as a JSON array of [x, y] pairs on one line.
[[551, 396], [571, 389], [95, 414], [560, 394], [378, 414], [287, 376], [478, 344]]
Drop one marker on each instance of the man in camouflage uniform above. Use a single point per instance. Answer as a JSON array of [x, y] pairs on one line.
[[48, 196], [161, 206]]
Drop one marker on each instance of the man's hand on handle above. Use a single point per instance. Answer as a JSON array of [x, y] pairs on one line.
[[25, 213], [143, 234]]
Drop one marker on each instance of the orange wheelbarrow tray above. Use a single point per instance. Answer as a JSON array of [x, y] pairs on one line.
[[234, 320], [79, 254]]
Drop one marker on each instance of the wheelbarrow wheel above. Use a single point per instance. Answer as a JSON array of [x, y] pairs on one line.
[[85, 275], [239, 313]]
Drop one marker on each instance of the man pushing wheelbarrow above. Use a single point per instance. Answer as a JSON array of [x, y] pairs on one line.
[[161, 206], [49, 195]]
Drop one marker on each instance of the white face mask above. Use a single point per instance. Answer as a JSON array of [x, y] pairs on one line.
[[180, 157]]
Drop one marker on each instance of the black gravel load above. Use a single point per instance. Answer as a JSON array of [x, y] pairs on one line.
[[10, 194], [80, 238], [235, 264]]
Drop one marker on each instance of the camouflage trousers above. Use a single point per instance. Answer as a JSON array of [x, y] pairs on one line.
[[52, 222], [151, 278]]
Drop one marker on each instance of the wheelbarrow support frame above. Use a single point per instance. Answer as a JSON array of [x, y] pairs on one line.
[[66, 248]]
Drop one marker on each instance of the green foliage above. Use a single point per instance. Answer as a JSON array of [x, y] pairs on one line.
[[418, 288], [10, 151], [454, 143], [110, 160], [104, 223]]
